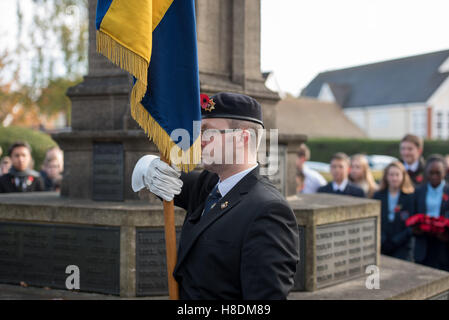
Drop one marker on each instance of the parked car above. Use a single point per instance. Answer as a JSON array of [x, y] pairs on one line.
[[378, 162], [318, 166]]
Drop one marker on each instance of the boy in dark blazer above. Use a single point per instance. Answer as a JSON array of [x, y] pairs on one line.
[[411, 149], [340, 184], [20, 177], [432, 198]]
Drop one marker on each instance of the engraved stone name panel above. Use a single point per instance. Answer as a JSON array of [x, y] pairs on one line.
[[107, 172], [38, 254], [344, 250], [151, 263]]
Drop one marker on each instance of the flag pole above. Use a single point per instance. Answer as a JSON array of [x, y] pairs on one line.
[[170, 244]]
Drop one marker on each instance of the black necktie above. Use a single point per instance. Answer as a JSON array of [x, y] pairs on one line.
[[20, 185], [211, 200]]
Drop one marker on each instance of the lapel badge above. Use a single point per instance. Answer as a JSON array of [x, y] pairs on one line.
[[211, 105], [224, 205]]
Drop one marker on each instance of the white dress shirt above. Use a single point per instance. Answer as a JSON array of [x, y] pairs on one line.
[[341, 186], [413, 167], [227, 184]]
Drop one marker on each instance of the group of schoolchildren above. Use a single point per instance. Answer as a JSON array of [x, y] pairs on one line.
[[407, 188], [17, 174]]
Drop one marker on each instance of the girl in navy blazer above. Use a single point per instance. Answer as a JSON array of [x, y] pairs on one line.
[[396, 195], [432, 198]]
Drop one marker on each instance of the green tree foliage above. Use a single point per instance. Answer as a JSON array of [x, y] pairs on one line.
[[39, 142], [50, 56]]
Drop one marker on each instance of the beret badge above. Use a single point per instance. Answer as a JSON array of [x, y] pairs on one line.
[[207, 104]]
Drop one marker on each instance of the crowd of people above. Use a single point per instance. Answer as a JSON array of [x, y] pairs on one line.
[[407, 188], [17, 173]]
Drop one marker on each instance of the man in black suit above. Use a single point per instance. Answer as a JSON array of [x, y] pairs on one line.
[[340, 184], [240, 237], [411, 149], [20, 177]]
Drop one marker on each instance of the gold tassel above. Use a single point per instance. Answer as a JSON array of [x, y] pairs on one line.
[[122, 56], [138, 67], [189, 159]]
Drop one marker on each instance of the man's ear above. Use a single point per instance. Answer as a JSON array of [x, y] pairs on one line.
[[245, 136]]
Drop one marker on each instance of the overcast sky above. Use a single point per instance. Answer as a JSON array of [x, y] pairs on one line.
[[301, 38]]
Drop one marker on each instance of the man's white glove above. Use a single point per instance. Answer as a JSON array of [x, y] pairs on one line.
[[157, 176]]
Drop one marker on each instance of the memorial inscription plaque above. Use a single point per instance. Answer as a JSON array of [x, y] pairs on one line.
[[107, 172], [344, 250], [38, 254], [151, 265]]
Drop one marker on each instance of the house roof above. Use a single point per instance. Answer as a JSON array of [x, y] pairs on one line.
[[406, 80], [314, 118]]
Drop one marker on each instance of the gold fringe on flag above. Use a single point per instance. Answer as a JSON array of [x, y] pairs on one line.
[[127, 60], [186, 160]]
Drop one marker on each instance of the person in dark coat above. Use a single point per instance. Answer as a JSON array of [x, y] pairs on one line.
[[396, 196], [20, 177], [432, 198], [240, 237], [340, 184], [52, 168], [411, 149]]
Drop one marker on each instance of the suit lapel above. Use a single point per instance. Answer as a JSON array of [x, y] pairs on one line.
[[191, 230]]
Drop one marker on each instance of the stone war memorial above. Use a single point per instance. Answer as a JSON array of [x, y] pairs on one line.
[[116, 238]]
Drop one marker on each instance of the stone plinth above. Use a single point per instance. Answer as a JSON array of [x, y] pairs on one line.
[[120, 247], [399, 280], [339, 238], [33, 224]]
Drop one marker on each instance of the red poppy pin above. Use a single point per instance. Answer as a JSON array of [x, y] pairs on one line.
[[397, 208], [419, 178], [30, 180], [445, 197], [206, 103]]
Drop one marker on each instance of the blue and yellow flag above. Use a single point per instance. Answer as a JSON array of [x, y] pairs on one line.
[[155, 41]]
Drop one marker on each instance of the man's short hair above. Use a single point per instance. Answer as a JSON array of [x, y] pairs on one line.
[[303, 151], [18, 144], [340, 156], [417, 141]]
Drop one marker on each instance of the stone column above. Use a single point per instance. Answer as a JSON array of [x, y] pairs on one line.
[[229, 51]]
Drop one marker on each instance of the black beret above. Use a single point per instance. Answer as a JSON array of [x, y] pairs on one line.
[[232, 106]]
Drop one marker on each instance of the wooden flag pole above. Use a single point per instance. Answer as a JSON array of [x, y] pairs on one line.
[[170, 245]]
